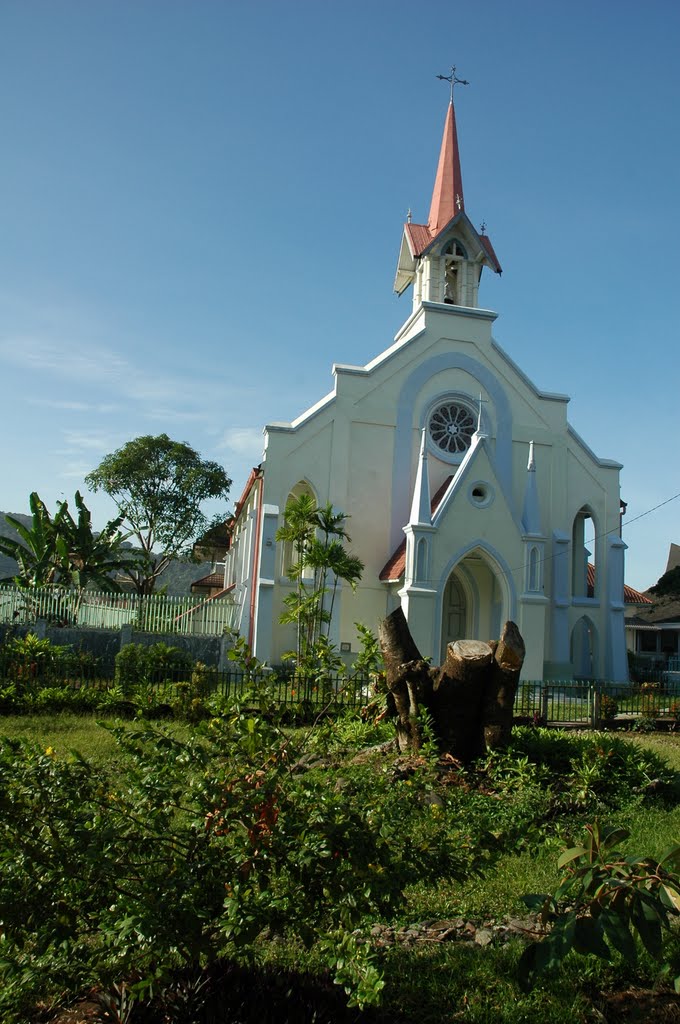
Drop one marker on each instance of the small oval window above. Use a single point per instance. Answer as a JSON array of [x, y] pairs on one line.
[[480, 494]]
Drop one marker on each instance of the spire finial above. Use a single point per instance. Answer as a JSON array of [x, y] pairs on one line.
[[409, 215], [482, 228], [479, 414], [531, 464], [453, 79]]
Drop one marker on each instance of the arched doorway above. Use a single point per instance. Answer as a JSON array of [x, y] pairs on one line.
[[584, 648], [453, 613], [475, 601]]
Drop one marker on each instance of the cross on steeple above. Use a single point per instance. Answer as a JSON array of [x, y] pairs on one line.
[[452, 79]]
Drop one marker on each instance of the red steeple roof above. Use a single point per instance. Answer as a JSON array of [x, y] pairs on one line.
[[447, 194], [448, 204]]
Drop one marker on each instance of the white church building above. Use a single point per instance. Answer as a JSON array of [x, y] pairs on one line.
[[471, 497]]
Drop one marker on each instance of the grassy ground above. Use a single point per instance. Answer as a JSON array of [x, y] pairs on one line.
[[65, 733], [437, 983]]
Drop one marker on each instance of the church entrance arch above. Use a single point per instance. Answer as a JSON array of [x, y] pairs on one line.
[[475, 602]]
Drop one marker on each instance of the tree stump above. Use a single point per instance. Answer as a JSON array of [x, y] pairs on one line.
[[469, 698]]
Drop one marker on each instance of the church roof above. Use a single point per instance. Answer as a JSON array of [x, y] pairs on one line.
[[447, 194], [419, 237], [486, 242], [446, 206]]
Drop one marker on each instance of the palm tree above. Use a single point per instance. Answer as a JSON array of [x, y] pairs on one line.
[[93, 558], [317, 535], [64, 551], [39, 553], [298, 530]]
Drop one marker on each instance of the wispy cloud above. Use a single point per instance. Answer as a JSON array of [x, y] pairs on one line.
[[82, 363], [99, 408], [242, 440], [89, 441], [74, 470]]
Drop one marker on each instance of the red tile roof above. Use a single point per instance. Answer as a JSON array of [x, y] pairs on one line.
[[630, 596], [213, 579], [419, 237], [486, 242], [393, 568]]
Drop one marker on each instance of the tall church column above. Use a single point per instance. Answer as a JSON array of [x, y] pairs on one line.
[[559, 666], [616, 657], [264, 605]]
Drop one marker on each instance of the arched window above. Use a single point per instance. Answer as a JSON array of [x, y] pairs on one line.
[[584, 581], [288, 553], [421, 561], [452, 257], [534, 577]]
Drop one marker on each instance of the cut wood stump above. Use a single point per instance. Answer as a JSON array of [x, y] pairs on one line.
[[469, 698]]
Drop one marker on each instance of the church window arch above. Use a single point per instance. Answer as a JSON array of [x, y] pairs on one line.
[[534, 576], [421, 561], [455, 248], [584, 581], [452, 259], [288, 552]]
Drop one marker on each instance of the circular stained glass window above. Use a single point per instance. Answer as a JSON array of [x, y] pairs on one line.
[[451, 427]]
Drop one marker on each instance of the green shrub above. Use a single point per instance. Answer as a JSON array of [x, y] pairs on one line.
[[130, 667], [606, 904], [203, 679], [31, 660], [138, 665]]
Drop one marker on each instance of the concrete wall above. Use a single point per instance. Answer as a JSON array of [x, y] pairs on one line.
[[106, 643]]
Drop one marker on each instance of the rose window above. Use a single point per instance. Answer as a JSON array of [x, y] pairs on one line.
[[452, 427]]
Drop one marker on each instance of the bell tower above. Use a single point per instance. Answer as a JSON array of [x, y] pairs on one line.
[[444, 258]]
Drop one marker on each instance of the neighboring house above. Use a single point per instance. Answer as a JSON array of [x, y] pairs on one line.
[[653, 631], [211, 585], [472, 499]]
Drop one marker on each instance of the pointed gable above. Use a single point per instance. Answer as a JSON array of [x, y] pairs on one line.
[[393, 569], [447, 211]]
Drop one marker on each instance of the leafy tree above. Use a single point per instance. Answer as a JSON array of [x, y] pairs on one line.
[[668, 586], [159, 486], [317, 535]]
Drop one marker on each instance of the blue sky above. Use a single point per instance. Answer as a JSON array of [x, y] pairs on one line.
[[201, 206]]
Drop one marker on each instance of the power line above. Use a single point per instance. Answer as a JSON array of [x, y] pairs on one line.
[[598, 536]]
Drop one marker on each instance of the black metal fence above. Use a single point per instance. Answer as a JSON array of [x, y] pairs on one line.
[[593, 703], [584, 703]]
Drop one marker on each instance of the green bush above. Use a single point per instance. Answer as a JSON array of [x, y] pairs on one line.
[[138, 665]]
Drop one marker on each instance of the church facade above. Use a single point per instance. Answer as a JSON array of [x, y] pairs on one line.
[[472, 499]]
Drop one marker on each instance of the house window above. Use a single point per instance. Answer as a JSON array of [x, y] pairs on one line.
[[647, 641]]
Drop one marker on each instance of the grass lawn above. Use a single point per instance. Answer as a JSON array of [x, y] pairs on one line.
[[65, 733], [433, 983]]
